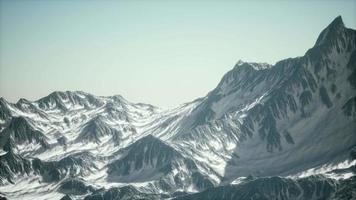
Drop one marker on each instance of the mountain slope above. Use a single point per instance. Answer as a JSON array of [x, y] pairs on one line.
[[286, 113], [151, 160]]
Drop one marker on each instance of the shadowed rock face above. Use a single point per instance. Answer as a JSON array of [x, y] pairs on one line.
[[122, 193], [147, 152], [150, 159], [20, 131], [75, 165], [95, 129], [5, 113], [12, 165], [75, 187], [66, 197], [314, 187]]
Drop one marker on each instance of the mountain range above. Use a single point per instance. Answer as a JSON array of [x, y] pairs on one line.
[[282, 131]]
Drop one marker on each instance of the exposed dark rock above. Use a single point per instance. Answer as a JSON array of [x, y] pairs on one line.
[[75, 187]]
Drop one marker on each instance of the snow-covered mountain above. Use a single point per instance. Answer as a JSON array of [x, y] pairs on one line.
[[283, 131]]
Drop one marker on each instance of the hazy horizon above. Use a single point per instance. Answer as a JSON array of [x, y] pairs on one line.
[[161, 53]]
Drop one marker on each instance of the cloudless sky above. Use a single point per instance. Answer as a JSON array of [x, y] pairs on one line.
[[159, 52]]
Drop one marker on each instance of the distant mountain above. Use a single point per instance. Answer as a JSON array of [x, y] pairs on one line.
[[283, 131]]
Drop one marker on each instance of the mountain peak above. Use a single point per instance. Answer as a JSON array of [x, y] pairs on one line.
[[66, 94], [150, 138], [331, 31], [253, 65], [23, 101], [19, 121], [337, 21], [3, 102], [66, 100]]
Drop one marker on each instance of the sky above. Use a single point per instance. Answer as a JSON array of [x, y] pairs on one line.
[[160, 52]]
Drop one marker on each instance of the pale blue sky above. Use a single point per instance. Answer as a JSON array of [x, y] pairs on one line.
[[159, 52]]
